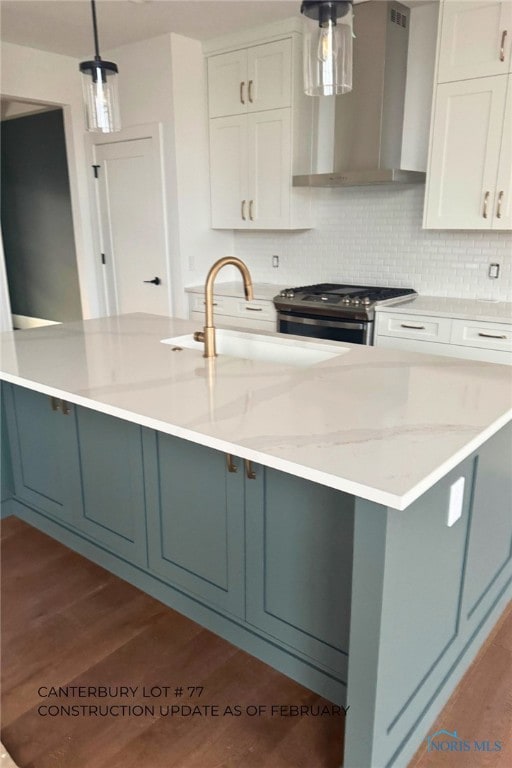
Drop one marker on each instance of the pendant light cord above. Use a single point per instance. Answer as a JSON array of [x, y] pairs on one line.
[[95, 29]]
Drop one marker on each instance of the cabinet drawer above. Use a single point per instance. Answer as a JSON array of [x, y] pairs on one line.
[[472, 333], [414, 327], [259, 310], [219, 304]]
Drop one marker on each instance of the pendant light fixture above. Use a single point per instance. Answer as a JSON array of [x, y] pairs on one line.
[[99, 81], [328, 47]]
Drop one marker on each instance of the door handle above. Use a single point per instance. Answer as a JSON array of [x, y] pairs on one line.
[[502, 46], [249, 471], [155, 281], [232, 467]]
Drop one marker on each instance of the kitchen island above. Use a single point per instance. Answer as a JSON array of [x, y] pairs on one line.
[[348, 522]]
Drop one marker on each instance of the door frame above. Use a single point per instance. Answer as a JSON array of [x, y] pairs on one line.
[[151, 131]]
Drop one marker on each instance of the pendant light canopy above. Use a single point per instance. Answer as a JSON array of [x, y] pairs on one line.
[[99, 81], [328, 47]]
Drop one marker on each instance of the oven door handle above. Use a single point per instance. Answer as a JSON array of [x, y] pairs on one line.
[[322, 323]]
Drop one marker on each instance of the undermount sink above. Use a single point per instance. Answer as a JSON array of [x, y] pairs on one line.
[[272, 349]]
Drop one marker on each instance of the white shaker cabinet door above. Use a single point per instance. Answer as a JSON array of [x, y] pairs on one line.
[[228, 172], [503, 203], [269, 75], [467, 134], [269, 141], [227, 84], [476, 39]]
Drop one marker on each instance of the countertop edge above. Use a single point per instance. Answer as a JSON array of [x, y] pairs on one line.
[[368, 493]]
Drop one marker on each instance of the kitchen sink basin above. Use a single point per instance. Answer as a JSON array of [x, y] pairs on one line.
[[272, 349]]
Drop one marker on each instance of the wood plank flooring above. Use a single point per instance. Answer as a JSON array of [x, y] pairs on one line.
[[66, 621]]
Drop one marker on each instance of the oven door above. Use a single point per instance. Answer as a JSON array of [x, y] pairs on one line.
[[318, 327]]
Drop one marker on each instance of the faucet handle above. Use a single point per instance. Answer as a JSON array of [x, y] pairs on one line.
[[198, 336]]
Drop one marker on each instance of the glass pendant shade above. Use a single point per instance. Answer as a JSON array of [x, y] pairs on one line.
[[101, 96], [328, 53], [99, 83]]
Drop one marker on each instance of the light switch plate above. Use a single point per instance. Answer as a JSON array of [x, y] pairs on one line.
[[456, 501]]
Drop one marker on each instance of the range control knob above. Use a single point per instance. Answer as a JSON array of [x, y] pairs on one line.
[[356, 302], [290, 294], [345, 300], [366, 301], [283, 294]]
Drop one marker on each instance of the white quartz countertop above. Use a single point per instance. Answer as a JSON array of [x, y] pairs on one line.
[[261, 291], [464, 309], [379, 423]]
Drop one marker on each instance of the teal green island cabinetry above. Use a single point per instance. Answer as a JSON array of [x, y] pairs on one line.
[[379, 609]]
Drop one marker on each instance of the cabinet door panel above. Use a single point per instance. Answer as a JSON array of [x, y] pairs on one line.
[[270, 168], [195, 516], [44, 453], [465, 153], [490, 526], [503, 202], [112, 483], [270, 74], [472, 37], [299, 565], [226, 94], [228, 172]]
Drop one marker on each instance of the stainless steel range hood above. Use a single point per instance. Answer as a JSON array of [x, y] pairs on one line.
[[378, 133]]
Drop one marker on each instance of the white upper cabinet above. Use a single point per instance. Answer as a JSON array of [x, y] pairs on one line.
[[269, 84], [469, 178], [227, 84], [261, 127], [502, 212], [251, 79], [475, 40], [465, 153]]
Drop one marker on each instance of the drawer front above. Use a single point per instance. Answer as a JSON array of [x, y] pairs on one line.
[[259, 310], [472, 333], [414, 327], [197, 304]]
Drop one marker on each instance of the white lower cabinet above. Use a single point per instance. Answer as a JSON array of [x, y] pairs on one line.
[[234, 312], [454, 337]]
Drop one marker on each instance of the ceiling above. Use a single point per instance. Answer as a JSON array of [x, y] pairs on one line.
[[64, 26]]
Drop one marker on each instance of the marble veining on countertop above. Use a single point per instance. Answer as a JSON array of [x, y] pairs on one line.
[[379, 423], [262, 291], [464, 309]]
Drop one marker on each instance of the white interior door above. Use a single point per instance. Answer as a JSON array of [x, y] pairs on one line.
[[132, 224]]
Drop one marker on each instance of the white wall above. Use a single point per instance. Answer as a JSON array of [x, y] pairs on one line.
[[373, 235], [33, 75], [163, 80]]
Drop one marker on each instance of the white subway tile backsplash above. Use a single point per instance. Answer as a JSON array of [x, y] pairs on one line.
[[371, 235]]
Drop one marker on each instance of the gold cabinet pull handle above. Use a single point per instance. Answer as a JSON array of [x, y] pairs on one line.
[[413, 327], [254, 309], [54, 403], [242, 86], [502, 46], [249, 471], [250, 93], [64, 407], [500, 200], [242, 210], [486, 203], [251, 210], [232, 467]]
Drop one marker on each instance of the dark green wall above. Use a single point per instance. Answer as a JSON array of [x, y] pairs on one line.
[[36, 218]]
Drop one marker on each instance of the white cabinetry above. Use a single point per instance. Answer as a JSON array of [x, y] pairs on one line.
[[250, 80], [454, 337], [235, 312], [469, 171], [260, 132], [475, 39]]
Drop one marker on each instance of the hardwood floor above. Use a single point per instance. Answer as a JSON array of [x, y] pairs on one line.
[[68, 622]]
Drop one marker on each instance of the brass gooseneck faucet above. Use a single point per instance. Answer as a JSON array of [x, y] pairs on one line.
[[207, 335]]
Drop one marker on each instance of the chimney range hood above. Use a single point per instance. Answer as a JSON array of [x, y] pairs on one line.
[[378, 133]]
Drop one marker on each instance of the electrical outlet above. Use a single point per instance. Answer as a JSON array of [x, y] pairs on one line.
[[456, 501], [494, 271], [275, 261]]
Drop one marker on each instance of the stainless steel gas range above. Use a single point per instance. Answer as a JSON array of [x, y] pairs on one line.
[[336, 312]]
